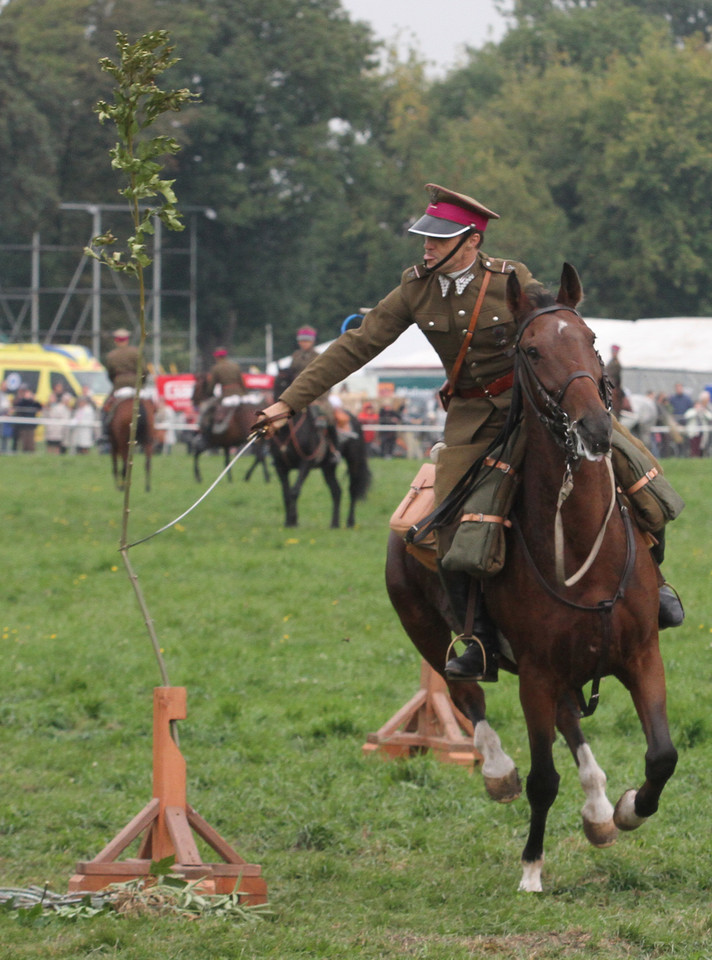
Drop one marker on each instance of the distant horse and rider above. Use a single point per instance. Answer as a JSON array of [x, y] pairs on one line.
[[309, 442], [577, 598], [119, 430], [228, 428]]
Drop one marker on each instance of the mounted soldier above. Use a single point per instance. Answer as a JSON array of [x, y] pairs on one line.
[[223, 381], [122, 366], [457, 297]]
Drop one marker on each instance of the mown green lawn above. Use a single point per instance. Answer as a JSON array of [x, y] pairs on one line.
[[291, 655]]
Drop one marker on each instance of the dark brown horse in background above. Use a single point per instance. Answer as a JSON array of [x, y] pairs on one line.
[[304, 444], [602, 620], [120, 431], [233, 433]]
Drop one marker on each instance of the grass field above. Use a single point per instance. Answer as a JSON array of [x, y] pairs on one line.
[[291, 655]]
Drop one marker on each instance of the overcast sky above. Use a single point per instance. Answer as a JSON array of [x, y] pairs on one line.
[[439, 29]]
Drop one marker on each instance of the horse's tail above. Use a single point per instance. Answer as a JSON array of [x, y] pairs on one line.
[[355, 454]]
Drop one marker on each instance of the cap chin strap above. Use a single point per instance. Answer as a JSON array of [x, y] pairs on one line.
[[468, 233]]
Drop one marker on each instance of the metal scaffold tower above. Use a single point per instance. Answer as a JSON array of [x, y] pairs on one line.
[[71, 310]]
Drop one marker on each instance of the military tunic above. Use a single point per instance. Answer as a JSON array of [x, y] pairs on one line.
[[228, 374], [301, 359], [471, 423], [122, 364]]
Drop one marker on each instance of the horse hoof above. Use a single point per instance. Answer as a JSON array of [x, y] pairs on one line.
[[624, 816], [504, 789], [600, 834], [531, 877]]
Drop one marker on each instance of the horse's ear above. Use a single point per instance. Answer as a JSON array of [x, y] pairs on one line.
[[570, 292]]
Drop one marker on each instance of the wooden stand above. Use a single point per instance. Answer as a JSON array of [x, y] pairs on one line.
[[429, 721], [169, 822]]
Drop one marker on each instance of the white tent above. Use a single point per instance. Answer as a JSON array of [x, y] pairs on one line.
[[654, 353]]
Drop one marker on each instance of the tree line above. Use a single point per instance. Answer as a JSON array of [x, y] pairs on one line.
[[587, 127]]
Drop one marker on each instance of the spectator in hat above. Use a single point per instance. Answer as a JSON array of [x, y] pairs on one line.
[[224, 380]]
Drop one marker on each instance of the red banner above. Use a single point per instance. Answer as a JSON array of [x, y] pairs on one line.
[[177, 388]]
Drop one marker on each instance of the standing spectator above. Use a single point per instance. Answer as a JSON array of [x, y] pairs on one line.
[[57, 433], [83, 425], [368, 414], [388, 417], [679, 403], [614, 372], [5, 408], [699, 422], [25, 406]]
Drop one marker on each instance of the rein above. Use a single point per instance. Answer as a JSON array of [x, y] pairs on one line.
[[293, 427]]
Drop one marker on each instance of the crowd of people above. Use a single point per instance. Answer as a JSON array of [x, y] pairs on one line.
[[70, 427]]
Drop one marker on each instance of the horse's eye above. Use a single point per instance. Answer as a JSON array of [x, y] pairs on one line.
[[532, 353]]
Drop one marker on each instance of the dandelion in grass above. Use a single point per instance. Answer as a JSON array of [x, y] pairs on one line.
[[291, 540]]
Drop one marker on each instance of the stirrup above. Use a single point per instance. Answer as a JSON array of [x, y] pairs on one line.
[[671, 612], [459, 668]]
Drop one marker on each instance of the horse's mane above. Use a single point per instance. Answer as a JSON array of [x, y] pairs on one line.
[[539, 296]]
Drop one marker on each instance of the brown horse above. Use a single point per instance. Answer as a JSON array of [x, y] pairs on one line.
[[235, 425], [119, 433], [304, 444], [562, 629]]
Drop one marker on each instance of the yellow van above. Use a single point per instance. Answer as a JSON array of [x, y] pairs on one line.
[[42, 366]]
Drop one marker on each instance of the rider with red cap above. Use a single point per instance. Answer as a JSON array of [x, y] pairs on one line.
[[224, 380], [305, 352], [122, 366], [457, 297]]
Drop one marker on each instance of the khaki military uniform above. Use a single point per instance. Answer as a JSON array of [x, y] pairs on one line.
[[228, 374], [472, 422], [122, 364], [301, 359]]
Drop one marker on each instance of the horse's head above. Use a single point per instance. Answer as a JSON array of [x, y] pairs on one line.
[[558, 368]]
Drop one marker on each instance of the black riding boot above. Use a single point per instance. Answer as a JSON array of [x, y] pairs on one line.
[[477, 630], [671, 612]]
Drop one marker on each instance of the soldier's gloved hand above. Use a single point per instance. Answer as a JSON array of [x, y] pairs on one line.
[[273, 417]]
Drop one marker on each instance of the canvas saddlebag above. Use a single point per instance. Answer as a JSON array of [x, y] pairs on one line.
[[417, 504], [640, 478], [479, 544]]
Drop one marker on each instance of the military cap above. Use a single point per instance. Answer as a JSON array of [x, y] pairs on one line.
[[121, 334], [306, 333], [219, 352], [450, 214]]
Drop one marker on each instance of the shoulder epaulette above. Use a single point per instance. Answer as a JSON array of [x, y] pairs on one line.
[[495, 265]]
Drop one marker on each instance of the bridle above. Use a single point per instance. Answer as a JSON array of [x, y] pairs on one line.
[[548, 405]]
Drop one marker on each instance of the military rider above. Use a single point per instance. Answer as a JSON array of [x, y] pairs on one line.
[[122, 366], [457, 297], [224, 380]]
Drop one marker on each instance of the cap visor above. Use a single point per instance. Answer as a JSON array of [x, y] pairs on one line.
[[429, 226]]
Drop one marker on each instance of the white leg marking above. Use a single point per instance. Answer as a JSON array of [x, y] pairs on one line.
[[496, 764], [597, 808], [531, 877], [625, 816]]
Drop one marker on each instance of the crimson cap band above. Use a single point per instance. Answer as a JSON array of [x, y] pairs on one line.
[[306, 333], [450, 214]]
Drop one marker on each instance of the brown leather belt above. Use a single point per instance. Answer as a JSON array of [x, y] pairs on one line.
[[490, 390]]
